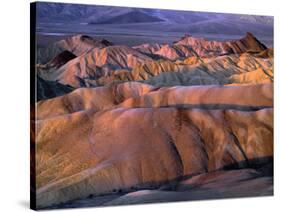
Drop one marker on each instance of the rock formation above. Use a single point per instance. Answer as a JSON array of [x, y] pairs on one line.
[[190, 61], [154, 122], [78, 44], [203, 47], [98, 157]]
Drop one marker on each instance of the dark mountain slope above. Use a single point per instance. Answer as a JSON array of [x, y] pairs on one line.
[[130, 17]]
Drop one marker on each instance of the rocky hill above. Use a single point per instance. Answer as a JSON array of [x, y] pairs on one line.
[[171, 143], [77, 45]]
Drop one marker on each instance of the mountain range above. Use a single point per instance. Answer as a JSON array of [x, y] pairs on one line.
[[189, 61], [124, 25], [118, 124]]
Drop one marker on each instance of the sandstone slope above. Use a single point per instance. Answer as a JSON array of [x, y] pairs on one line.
[[74, 162], [133, 94]]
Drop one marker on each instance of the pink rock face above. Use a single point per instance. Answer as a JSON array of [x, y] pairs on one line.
[[191, 46], [235, 97], [116, 56], [169, 52], [91, 98], [148, 48], [81, 44], [133, 94], [161, 144], [203, 47], [95, 64]]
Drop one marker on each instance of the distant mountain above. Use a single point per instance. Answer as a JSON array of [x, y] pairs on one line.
[[59, 12], [134, 16], [257, 19], [79, 18]]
